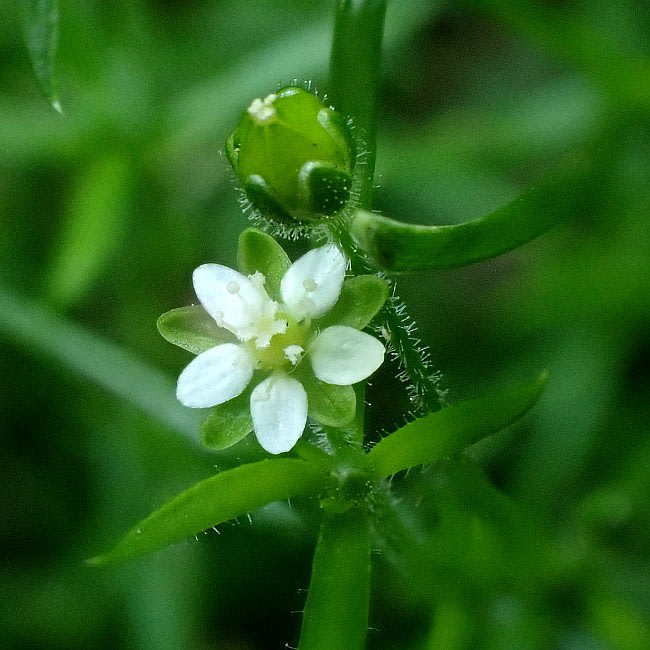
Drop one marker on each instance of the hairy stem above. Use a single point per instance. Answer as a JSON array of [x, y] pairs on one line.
[[398, 331]]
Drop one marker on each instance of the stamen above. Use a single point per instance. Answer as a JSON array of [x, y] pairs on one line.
[[263, 109], [233, 288], [293, 353], [258, 280]]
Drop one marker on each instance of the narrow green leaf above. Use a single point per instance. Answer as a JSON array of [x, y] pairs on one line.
[[360, 300], [192, 329], [40, 20], [217, 499], [450, 430], [226, 424], [93, 229], [260, 252], [336, 612], [88, 355], [399, 247]]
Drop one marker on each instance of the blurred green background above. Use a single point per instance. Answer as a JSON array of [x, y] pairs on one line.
[[105, 212]]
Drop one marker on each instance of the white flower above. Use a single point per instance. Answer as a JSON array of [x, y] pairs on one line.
[[276, 338]]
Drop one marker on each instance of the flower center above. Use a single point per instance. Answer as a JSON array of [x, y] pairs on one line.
[[285, 349]]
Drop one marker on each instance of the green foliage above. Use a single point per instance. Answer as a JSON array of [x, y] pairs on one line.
[[94, 226], [41, 28], [105, 212], [215, 500], [450, 430], [398, 247]]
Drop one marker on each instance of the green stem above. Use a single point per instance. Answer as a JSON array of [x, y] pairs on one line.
[[354, 82], [355, 63], [413, 357], [336, 612], [399, 332]]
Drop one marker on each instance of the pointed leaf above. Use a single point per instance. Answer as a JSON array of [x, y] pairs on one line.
[[399, 247], [360, 300], [193, 329], [260, 252], [450, 430], [215, 500], [41, 26], [226, 424]]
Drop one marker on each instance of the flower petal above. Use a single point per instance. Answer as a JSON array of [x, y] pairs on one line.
[[215, 376], [342, 355], [279, 410], [312, 284], [234, 301]]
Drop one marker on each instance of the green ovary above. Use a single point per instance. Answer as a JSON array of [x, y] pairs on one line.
[[274, 357]]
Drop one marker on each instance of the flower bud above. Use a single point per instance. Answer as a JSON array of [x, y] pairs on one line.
[[293, 156]]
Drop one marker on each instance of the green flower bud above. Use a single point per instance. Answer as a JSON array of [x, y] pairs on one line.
[[293, 156]]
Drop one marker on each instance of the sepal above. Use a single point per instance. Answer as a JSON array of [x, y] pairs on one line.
[[192, 329], [329, 404], [227, 424], [360, 300], [323, 189], [259, 252]]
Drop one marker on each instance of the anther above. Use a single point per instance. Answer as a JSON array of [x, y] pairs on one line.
[[293, 353], [233, 288], [263, 109]]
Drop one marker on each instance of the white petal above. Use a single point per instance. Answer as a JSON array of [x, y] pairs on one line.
[[234, 301], [279, 411], [312, 284], [215, 376], [343, 356]]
